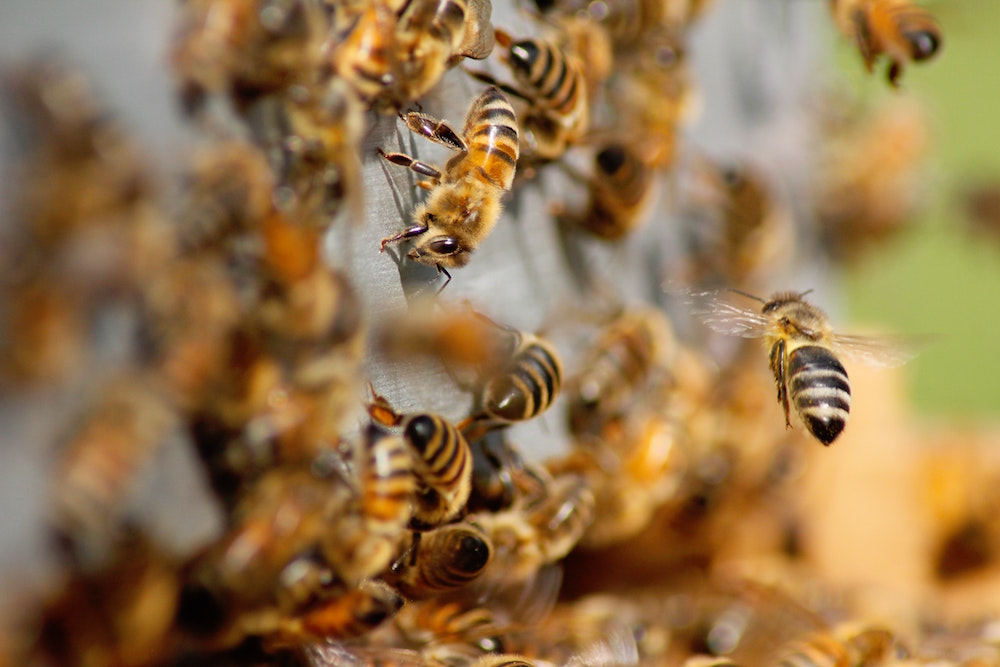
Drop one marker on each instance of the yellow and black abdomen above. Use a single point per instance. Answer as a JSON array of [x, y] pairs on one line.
[[819, 389], [492, 135], [526, 388]]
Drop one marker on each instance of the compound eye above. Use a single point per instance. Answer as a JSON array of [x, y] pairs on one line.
[[923, 44], [444, 246]]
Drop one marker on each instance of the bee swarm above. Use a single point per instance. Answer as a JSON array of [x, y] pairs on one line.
[[276, 432]]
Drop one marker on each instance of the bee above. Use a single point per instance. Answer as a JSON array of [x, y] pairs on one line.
[[442, 463], [394, 56], [312, 135], [552, 82], [802, 353], [442, 559], [534, 533], [522, 388], [840, 646], [620, 190], [900, 29], [244, 48], [747, 230], [616, 368], [450, 624], [101, 462], [868, 185], [464, 201]]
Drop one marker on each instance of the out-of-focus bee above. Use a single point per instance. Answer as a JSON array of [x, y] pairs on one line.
[[245, 48], [450, 624], [616, 367], [457, 337], [441, 559], [802, 352], [442, 462], [101, 462], [869, 173], [709, 661], [743, 231], [82, 229], [522, 388], [120, 614], [899, 29], [653, 95], [551, 81], [620, 190], [464, 200], [392, 53], [535, 533], [313, 135], [841, 646]]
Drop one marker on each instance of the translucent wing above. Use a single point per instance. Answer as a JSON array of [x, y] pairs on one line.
[[334, 654], [885, 351], [722, 312]]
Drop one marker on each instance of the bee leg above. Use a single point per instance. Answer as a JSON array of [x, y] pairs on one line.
[[436, 130], [778, 368], [486, 77], [443, 270], [417, 166], [409, 232]]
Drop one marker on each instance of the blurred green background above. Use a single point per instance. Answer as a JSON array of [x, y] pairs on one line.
[[937, 277]]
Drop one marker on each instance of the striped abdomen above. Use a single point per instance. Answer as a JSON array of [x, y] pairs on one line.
[[819, 389], [444, 559], [553, 81], [354, 614], [622, 183], [492, 137], [387, 482], [527, 387], [443, 464]]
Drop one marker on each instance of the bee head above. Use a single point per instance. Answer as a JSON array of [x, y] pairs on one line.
[[441, 249]]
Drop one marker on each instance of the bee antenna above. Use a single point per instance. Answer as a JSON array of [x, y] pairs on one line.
[[802, 294], [750, 296]]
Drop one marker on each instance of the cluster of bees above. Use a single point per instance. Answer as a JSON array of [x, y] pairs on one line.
[[352, 532]]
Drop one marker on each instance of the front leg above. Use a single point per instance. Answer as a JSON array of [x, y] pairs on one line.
[[778, 368], [417, 166], [409, 232], [435, 130]]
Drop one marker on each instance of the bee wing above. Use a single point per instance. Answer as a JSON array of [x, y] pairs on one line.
[[722, 313], [334, 654], [885, 351]]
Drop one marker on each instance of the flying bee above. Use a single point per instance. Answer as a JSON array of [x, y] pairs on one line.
[[464, 200], [442, 462], [442, 559], [900, 29], [619, 191], [802, 353], [552, 82], [393, 53]]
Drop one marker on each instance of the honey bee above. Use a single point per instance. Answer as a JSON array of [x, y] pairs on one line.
[[101, 462], [534, 533], [841, 646], [552, 82], [653, 95], [450, 624], [617, 367], [393, 56], [245, 48], [464, 201], [441, 559], [619, 191], [522, 388], [748, 230], [442, 463], [312, 135], [900, 29], [802, 352]]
